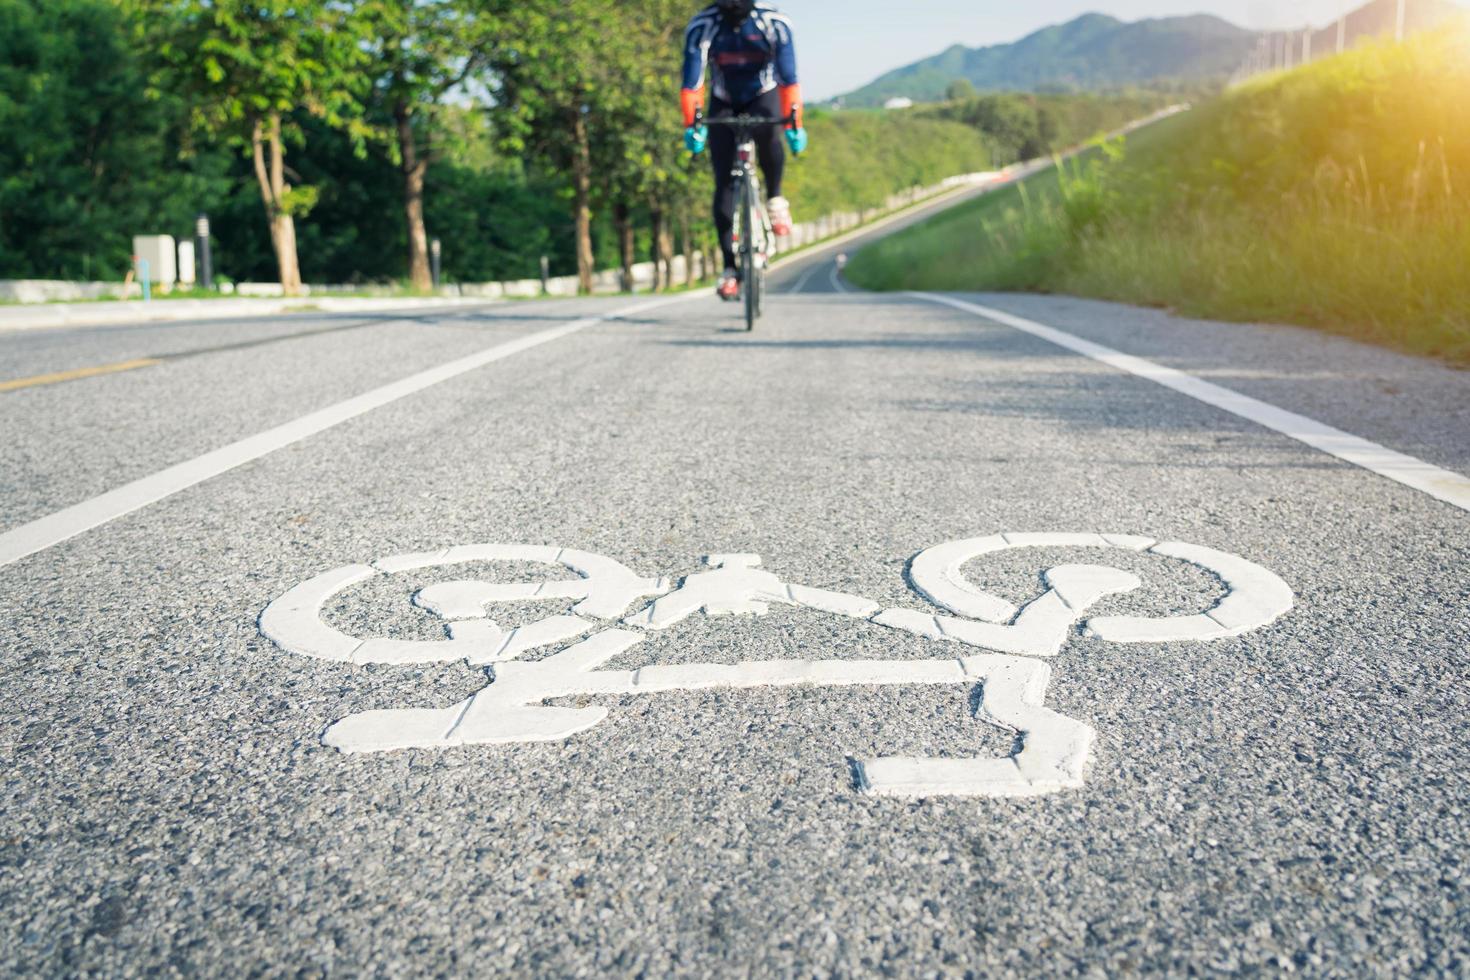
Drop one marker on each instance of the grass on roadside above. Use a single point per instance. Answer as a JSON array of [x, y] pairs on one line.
[[1335, 196]]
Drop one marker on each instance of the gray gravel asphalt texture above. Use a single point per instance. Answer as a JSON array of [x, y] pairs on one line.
[[1293, 798]]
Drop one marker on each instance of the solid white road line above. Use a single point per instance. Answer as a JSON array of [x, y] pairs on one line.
[[1452, 488], [55, 528], [836, 279]]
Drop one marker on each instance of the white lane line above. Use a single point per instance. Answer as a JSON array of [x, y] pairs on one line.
[[836, 279], [805, 276], [1452, 488], [44, 532]]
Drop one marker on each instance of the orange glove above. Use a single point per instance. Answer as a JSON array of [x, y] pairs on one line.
[[691, 100], [791, 102]]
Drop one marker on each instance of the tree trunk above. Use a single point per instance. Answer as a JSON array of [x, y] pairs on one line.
[[655, 246], [666, 251], [412, 166], [271, 176], [662, 246], [623, 224], [283, 237], [686, 245], [582, 199]]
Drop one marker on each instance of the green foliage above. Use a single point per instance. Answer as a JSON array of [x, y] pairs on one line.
[[1023, 127], [421, 50], [86, 161], [124, 117], [857, 159], [1088, 188], [239, 61], [494, 221], [1331, 196], [960, 90], [496, 224]]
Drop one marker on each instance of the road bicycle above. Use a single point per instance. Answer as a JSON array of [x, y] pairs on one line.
[[755, 239]]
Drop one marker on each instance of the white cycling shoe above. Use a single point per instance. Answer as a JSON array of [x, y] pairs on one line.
[[729, 287], [779, 210]]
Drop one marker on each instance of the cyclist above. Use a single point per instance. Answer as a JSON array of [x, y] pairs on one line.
[[747, 46]]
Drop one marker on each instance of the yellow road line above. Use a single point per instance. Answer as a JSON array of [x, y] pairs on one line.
[[87, 372]]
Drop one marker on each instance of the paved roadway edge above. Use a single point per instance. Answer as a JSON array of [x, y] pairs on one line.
[[1449, 487], [44, 532]]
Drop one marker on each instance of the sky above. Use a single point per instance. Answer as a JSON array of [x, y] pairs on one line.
[[843, 44]]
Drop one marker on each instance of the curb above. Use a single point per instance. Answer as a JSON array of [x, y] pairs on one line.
[[163, 311]]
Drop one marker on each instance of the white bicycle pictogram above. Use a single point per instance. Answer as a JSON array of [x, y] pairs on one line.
[[1012, 673]]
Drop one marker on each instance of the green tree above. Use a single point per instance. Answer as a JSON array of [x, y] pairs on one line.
[[422, 51], [567, 89], [960, 90], [245, 67], [666, 179], [496, 218], [86, 159], [635, 144], [1009, 122]]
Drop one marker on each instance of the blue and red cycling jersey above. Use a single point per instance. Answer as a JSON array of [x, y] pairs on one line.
[[744, 61]]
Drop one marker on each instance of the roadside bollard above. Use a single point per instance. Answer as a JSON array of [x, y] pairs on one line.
[[206, 261]]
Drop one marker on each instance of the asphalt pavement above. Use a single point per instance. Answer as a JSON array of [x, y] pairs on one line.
[[1287, 794]]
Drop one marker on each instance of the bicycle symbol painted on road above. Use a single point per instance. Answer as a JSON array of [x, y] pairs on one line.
[[1012, 673]]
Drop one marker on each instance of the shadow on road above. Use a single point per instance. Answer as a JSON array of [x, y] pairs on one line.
[[977, 343]]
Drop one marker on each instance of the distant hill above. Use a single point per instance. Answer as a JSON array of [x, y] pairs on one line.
[[1092, 52], [1100, 52]]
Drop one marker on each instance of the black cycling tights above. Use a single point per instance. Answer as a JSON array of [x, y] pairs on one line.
[[769, 150]]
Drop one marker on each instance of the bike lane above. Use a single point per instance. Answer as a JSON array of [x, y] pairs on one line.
[[199, 386], [169, 766]]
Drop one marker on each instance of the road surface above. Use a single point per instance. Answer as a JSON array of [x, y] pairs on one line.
[[1279, 786]]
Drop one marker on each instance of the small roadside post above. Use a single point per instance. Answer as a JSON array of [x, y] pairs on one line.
[[435, 251], [186, 264], [545, 275], [144, 279], [206, 267]]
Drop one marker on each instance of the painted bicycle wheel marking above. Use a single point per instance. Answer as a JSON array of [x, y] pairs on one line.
[[1012, 673]]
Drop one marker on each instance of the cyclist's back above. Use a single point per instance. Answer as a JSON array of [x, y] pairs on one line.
[[748, 50], [746, 58]]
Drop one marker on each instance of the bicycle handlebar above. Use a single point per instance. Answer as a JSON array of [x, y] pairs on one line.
[[743, 121]]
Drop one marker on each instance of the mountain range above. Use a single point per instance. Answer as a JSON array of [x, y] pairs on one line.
[[1096, 51]]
